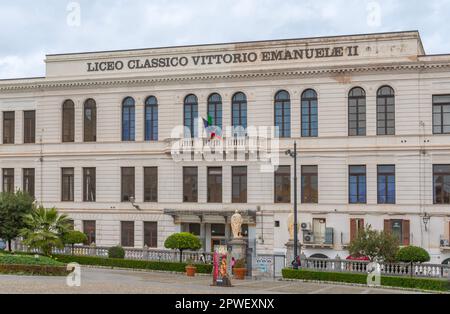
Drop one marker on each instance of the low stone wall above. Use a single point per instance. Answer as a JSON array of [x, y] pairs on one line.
[[37, 270]]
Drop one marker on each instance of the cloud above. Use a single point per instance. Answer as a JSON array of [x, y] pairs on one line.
[[39, 27]]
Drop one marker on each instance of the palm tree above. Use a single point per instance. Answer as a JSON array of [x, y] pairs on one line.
[[45, 229]]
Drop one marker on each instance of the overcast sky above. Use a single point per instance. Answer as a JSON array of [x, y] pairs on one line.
[[32, 29]]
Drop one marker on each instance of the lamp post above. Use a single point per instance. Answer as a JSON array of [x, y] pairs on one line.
[[293, 154]]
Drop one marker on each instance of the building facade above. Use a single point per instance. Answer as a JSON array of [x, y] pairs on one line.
[[95, 138]]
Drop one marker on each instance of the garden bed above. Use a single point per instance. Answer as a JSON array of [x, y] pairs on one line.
[[386, 281], [31, 265]]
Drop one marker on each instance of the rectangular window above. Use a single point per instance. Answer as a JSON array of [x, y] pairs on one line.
[[151, 234], [400, 229], [357, 185], [89, 229], [28, 181], [386, 184], [194, 229], [214, 185], [239, 182], [67, 189], [151, 184], [128, 184], [310, 185], [441, 114], [319, 230], [9, 126], [8, 181], [89, 184], [356, 227], [190, 184], [283, 184], [29, 127], [218, 230], [127, 232], [441, 180]]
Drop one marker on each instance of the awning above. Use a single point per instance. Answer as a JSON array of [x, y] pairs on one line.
[[210, 217]]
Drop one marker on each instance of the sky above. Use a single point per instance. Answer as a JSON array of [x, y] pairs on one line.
[[32, 29]]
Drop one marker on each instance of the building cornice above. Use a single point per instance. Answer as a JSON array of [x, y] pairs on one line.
[[43, 84]]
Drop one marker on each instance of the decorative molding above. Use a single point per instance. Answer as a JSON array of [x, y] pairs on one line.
[[44, 84]]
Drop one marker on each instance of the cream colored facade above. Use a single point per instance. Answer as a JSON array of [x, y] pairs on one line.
[[394, 59]]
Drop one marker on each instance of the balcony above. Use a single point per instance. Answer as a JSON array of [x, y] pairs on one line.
[[445, 244], [314, 240]]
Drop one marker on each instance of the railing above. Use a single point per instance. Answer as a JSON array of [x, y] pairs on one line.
[[387, 269], [132, 254]]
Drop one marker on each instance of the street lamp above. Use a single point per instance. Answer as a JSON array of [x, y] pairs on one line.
[[293, 154]]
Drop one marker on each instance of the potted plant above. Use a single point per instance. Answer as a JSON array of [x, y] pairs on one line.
[[191, 269], [240, 269]]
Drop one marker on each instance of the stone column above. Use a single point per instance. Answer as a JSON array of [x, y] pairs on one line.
[[238, 249]]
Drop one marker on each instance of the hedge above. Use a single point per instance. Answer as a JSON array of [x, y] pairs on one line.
[[387, 281], [35, 270], [21, 259], [132, 264]]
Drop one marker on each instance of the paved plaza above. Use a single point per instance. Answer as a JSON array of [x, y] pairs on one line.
[[107, 281]]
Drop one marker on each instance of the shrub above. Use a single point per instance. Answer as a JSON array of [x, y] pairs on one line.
[[133, 264], [74, 237], [36, 270], [241, 263], [375, 245], [116, 252], [21, 259], [413, 254], [45, 229], [183, 242], [401, 282]]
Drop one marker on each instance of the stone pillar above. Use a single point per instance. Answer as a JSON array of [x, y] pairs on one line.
[[290, 252], [238, 249]]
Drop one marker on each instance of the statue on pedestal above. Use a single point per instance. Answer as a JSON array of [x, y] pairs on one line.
[[291, 222], [236, 225]]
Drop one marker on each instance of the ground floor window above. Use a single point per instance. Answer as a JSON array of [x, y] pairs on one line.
[[89, 229], [151, 234], [400, 229], [127, 233]]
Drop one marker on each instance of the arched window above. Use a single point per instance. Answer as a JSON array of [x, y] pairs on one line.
[[283, 114], [386, 111], [128, 120], [215, 110], [239, 114], [151, 119], [310, 114], [191, 115], [357, 112], [68, 122], [90, 121]]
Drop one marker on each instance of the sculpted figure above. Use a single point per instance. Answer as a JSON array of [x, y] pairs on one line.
[[236, 225]]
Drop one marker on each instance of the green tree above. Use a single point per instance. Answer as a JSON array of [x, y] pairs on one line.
[[375, 245], [74, 237], [413, 254], [13, 209], [45, 229], [183, 241]]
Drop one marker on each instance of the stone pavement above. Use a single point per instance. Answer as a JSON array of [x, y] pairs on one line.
[[107, 281]]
